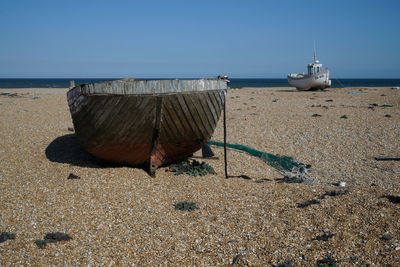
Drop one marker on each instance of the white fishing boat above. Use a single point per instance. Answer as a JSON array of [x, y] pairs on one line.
[[315, 79]]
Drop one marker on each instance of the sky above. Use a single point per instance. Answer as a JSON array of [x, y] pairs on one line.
[[196, 39]]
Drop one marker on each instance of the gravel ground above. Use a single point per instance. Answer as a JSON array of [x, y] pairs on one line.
[[121, 216]]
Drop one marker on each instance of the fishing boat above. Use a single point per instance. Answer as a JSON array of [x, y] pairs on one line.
[[223, 77], [152, 122], [315, 79]]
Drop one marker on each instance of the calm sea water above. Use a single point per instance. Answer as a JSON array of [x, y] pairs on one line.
[[235, 82]]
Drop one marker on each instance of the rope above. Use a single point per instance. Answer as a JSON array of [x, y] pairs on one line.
[[341, 84], [288, 166]]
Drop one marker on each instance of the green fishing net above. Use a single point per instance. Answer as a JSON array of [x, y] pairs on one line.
[[293, 170], [193, 168]]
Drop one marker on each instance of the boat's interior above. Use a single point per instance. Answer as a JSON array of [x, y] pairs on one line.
[[135, 86]]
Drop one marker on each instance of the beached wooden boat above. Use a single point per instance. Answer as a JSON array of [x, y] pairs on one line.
[[151, 122]]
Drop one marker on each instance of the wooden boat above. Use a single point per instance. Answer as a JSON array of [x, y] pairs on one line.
[[151, 122], [315, 79]]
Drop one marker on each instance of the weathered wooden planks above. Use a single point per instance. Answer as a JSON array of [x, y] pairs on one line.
[[135, 122], [140, 87]]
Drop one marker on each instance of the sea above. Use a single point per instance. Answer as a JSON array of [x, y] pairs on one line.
[[234, 82]]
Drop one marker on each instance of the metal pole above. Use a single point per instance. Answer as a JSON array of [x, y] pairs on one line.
[[226, 164]]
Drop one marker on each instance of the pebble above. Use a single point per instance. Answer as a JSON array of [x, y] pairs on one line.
[[121, 215]]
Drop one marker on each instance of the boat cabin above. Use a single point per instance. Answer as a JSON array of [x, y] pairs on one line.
[[314, 68]]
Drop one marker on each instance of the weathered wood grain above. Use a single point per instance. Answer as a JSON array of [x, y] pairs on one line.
[[156, 121]]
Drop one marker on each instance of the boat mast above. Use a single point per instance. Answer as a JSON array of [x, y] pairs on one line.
[[315, 54]]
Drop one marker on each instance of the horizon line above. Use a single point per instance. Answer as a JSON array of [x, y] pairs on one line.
[[149, 78]]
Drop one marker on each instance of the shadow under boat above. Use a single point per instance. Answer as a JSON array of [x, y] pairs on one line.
[[286, 90], [66, 149]]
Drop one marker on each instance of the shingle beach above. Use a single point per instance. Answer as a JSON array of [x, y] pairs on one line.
[[122, 216]]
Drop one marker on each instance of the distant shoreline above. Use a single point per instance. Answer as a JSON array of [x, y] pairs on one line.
[[36, 91], [235, 82]]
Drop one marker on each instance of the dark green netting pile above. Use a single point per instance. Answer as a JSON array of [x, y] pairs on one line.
[[185, 205], [292, 169], [193, 168]]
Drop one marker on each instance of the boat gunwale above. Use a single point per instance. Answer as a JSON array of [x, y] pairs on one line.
[[155, 94], [83, 88]]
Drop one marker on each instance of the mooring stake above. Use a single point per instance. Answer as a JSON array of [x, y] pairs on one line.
[[226, 163]]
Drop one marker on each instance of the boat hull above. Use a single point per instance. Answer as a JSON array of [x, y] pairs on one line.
[[155, 127], [310, 82]]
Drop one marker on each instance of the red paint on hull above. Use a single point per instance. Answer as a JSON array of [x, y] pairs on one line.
[[138, 154]]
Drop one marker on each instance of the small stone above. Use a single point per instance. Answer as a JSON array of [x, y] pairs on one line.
[[307, 203], [73, 176], [325, 237], [52, 238], [4, 236], [328, 261], [236, 259], [187, 206], [286, 263], [40, 243]]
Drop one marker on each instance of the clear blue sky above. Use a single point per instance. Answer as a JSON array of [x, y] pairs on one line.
[[265, 39]]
